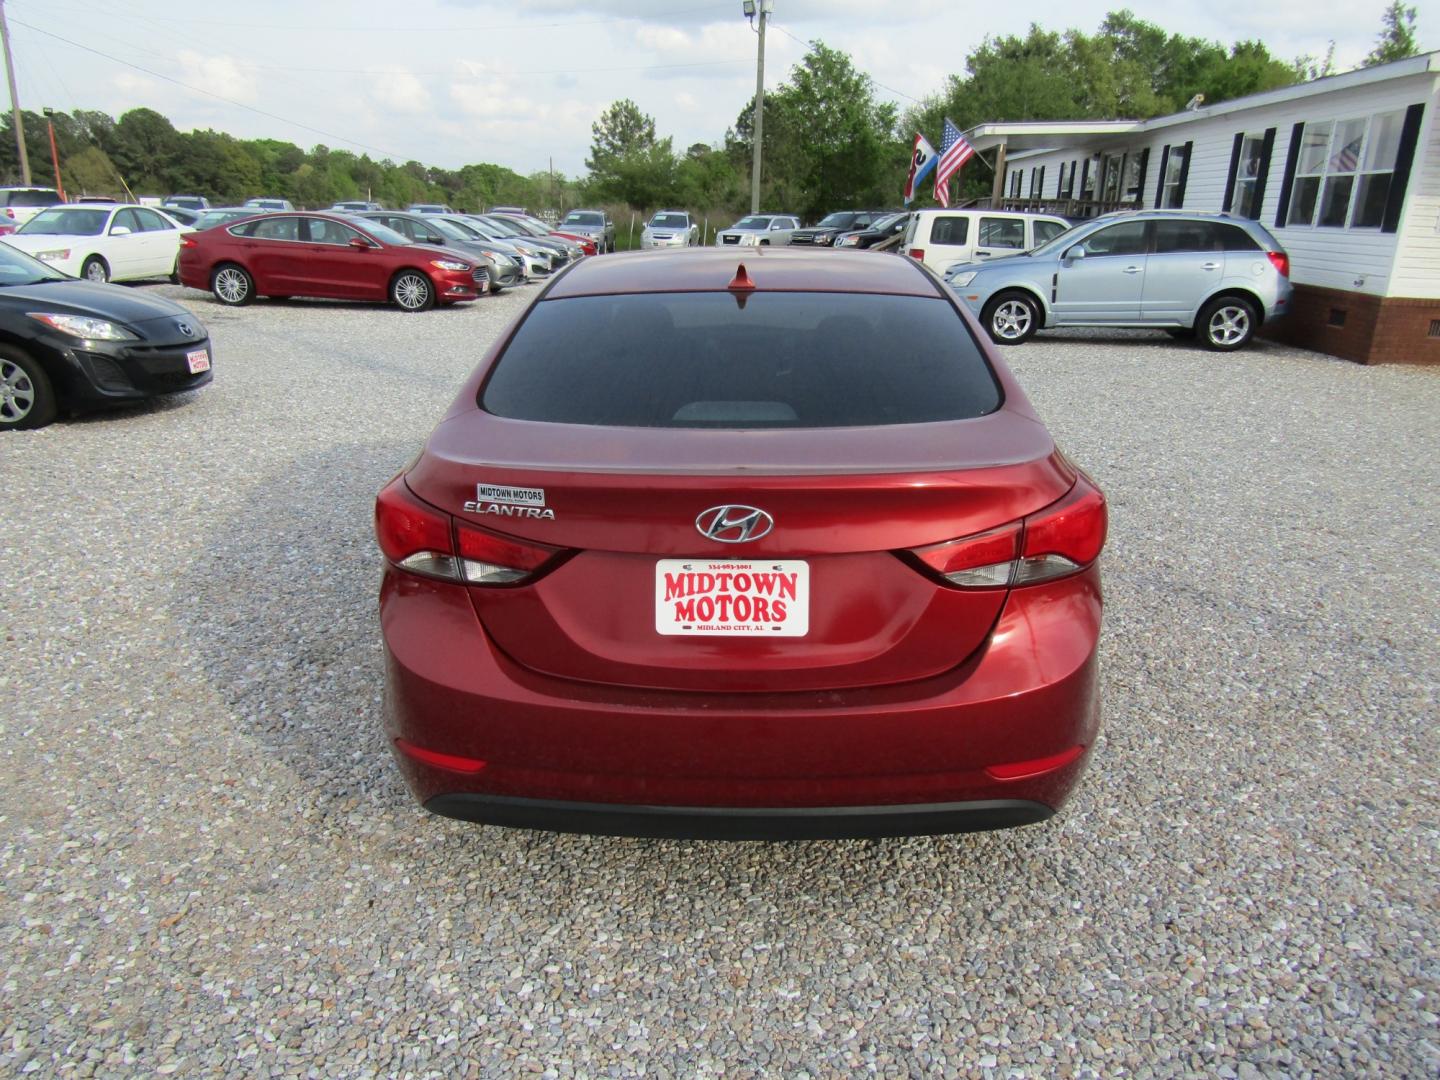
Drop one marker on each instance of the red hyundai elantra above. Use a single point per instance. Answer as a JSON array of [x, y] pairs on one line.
[[343, 258], [778, 550]]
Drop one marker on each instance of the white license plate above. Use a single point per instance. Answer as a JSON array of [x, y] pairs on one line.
[[199, 361], [732, 598]]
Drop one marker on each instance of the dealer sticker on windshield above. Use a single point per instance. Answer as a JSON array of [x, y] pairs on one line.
[[761, 598]]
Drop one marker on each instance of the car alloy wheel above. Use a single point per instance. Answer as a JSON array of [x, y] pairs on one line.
[[96, 270], [232, 285], [411, 292], [1229, 325], [17, 392], [1012, 320]]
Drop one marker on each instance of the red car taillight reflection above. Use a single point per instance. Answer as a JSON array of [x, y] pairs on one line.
[[417, 537], [1060, 540]]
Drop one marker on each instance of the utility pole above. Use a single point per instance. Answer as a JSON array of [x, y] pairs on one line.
[[15, 98], [764, 8]]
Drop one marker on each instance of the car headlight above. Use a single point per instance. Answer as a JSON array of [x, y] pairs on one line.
[[59, 254], [82, 326], [847, 241], [527, 252], [449, 264], [961, 280], [495, 256]]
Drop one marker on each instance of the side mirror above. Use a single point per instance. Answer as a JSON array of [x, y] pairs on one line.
[[1076, 252], [359, 243], [120, 230]]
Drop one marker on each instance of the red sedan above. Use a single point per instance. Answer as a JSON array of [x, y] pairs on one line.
[[342, 258], [774, 550]]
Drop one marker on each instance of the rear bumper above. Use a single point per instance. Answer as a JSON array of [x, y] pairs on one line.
[[948, 753], [740, 823]]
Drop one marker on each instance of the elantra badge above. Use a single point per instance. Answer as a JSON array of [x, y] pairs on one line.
[[734, 524]]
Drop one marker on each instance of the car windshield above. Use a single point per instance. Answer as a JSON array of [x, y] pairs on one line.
[[784, 360], [66, 221], [449, 229], [579, 218], [383, 233], [17, 268], [463, 229], [44, 197], [669, 221], [1063, 240], [835, 221], [887, 221], [505, 226], [752, 224], [210, 218]]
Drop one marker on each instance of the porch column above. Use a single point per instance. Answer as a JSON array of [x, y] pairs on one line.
[[997, 189]]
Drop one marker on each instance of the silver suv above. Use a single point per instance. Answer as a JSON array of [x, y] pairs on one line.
[[1217, 276]]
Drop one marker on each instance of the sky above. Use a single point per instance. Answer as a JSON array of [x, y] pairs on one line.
[[520, 83]]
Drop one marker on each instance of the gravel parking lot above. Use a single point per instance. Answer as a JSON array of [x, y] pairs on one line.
[[209, 865]]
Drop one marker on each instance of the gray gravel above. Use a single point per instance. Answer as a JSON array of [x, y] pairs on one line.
[[209, 865]]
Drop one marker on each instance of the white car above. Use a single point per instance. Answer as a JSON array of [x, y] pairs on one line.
[[124, 242], [20, 204], [944, 238], [670, 228], [759, 229]]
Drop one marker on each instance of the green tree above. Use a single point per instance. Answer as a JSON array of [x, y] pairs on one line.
[[1397, 36], [829, 144], [627, 162], [147, 150], [90, 172]]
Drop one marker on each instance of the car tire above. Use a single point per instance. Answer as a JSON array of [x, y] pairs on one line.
[[27, 400], [411, 290], [1011, 318], [1227, 323], [95, 269], [232, 285]]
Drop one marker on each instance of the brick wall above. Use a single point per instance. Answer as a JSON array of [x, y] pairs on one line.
[[1360, 327]]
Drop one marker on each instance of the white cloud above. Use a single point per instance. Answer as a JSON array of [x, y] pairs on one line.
[[221, 75], [400, 90]]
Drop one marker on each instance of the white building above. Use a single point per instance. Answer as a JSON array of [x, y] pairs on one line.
[[1344, 171]]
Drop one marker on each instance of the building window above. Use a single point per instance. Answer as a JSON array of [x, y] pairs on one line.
[[1015, 180], [1134, 178], [1247, 176], [1087, 179], [1344, 170], [1172, 184], [1110, 191]]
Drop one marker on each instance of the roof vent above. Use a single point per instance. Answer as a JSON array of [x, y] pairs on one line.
[[741, 280]]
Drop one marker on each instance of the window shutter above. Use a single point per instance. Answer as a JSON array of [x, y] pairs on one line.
[[1041, 189], [1084, 176], [1404, 159], [1266, 149], [1160, 184], [1292, 159], [1140, 176], [1234, 168], [1184, 175]]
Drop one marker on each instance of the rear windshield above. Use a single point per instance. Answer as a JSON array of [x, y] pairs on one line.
[[32, 198], [784, 360]]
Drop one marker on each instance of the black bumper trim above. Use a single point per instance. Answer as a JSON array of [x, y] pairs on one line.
[[740, 823]]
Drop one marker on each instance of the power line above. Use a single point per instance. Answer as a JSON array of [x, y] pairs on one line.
[[210, 93], [810, 45]]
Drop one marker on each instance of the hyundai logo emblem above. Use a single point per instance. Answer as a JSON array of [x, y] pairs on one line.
[[734, 524], [186, 330]]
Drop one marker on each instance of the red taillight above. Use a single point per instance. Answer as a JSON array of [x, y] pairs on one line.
[[1064, 537], [1280, 261], [918, 254], [1060, 540], [422, 539], [186, 241], [10, 213], [977, 562], [1021, 770]]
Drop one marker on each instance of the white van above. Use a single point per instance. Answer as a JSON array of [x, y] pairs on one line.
[[945, 238]]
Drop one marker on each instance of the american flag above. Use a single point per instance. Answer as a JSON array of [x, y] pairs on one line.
[[1346, 158], [954, 152]]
